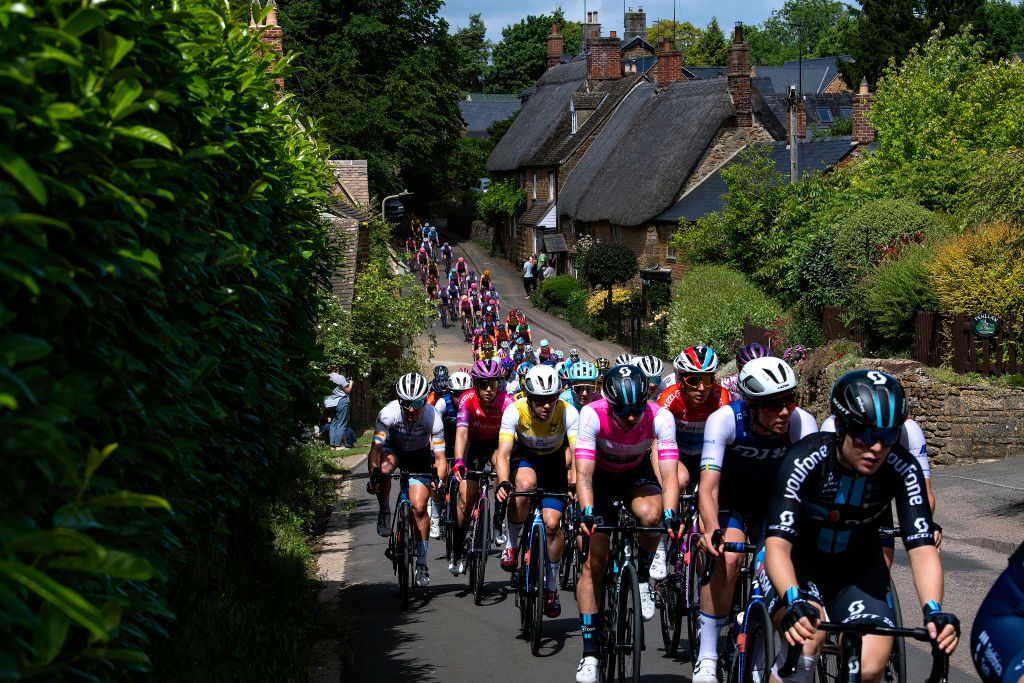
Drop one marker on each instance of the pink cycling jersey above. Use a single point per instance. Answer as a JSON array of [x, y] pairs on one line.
[[614, 449], [483, 425]]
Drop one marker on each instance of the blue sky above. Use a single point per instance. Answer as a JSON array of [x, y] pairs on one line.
[[499, 13]]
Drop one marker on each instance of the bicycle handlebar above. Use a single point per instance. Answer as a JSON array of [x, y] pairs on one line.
[[500, 509], [726, 547], [940, 660]]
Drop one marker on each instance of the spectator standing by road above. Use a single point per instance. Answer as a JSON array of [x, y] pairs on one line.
[[549, 271], [338, 403], [530, 275]]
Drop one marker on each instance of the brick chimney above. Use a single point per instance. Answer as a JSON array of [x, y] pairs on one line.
[[863, 132], [634, 25], [739, 78], [271, 35], [556, 43], [669, 67], [589, 27], [604, 57]]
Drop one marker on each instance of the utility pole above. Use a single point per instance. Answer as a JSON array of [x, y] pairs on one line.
[[794, 140]]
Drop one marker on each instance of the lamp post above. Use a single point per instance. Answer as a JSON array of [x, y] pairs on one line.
[[403, 193]]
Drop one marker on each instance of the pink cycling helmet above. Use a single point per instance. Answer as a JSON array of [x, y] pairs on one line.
[[486, 369]]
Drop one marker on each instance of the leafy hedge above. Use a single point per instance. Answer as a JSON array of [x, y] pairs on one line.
[[981, 272], [159, 246], [558, 291], [710, 305]]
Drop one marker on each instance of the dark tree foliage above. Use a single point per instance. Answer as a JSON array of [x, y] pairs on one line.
[[521, 56], [610, 263], [885, 29], [1000, 24], [952, 14], [819, 27], [712, 49], [379, 76], [474, 51]]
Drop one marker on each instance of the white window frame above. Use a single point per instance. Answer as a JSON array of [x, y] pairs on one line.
[[534, 184], [551, 186]]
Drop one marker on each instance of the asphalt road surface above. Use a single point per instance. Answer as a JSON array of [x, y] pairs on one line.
[[445, 637]]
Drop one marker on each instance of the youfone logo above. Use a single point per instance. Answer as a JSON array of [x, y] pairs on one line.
[[801, 469]]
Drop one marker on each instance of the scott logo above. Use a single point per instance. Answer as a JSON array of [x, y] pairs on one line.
[[786, 518], [856, 607]]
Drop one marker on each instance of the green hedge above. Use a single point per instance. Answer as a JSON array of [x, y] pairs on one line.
[[710, 305], [558, 291], [159, 247]]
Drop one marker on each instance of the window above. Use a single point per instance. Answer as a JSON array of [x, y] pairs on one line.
[[824, 115], [572, 115], [534, 184], [670, 249], [616, 233], [551, 186], [847, 112]]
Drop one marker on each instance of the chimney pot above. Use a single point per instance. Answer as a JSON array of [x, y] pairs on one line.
[[863, 86], [612, 34], [737, 33]]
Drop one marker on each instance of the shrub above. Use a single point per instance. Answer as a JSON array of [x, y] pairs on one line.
[[576, 314], [980, 272], [710, 305], [861, 237], [558, 290], [500, 201], [610, 263], [886, 301], [621, 296]]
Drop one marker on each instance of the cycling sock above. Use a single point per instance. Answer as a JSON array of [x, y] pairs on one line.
[[709, 627], [421, 553], [514, 529], [552, 576], [643, 564], [589, 631]]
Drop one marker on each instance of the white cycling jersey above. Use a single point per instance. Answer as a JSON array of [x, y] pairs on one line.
[[427, 431], [911, 438], [720, 436]]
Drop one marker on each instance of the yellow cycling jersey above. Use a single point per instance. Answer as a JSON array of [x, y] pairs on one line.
[[518, 424]]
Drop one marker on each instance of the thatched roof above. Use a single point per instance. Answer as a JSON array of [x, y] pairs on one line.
[[546, 110], [648, 148]]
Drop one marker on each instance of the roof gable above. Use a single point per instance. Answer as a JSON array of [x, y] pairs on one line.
[[480, 114]]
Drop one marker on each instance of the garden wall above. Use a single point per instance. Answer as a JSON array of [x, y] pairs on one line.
[[961, 423]]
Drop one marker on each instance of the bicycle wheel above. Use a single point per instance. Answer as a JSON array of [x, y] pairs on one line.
[[759, 645], [692, 606], [536, 570], [671, 612], [629, 628], [828, 660], [896, 667], [450, 517], [481, 539], [406, 557], [570, 567]]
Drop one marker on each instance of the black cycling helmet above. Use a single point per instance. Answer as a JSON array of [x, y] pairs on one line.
[[625, 385], [868, 399], [602, 364], [441, 371]]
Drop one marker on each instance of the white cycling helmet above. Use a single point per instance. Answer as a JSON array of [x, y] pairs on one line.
[[696, 359], [624, 359], [763, 377], [460, 381], [542, 380], [412, 387], [528, 348], [652, 367]]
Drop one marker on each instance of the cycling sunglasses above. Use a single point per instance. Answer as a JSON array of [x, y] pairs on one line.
[[417, 404], [541, 400], [872, 435], [584, 387], [777, 403], [485, 383], [630, 409], [694, 381]]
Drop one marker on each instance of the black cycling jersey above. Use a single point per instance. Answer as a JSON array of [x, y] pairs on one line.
[[823, 508], [997, 638]]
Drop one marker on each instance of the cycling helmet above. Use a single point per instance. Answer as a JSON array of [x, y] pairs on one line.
[[542, 380], [763, 377], [478, 331], [411, 387], [624, 359], [460, 381], [465, 298], [602, 364], [491, 302], [520, 341], [625, 385], [868, 398], [503, 345], [472, 285], [750, 352], [423, 250], [544, 342], [524, 368], [528, 348], [518, 357], [446, 244], [694, 359], [461, 260], [486, 369], [558, 354], [472, 273], [583, 371], [507, 364], [652, 367], [574, 353], [488, 344]]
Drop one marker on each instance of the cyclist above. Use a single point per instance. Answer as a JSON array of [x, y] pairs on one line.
[[531, 357], [831, 494], [624, 359], [743, 447], [521, 371], [743, 356], [652, 367], [997, 638], [691, 400], [574, 356], [461, 268], [438, 385], [408, 434], [602, 365], [523, 328], [431, 287], [446, 256], [582, 388], [422, 259], [563, 378], [485, 279], [508, 369], [615, 437], [476, 440], [543, 350], [432, 235], [532, 453], [486, 349], [465, 311]]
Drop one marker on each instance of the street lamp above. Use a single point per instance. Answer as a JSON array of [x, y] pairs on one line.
[[403, 193]]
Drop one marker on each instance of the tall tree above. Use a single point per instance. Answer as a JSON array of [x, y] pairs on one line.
[[886, 29], [711, 48], [683, 33], [521, 56], [378, 74], [818, 27], [952, 14], [1000, 23], [474, 51]]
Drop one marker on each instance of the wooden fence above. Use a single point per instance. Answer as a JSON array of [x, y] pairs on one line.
[[997, 355]]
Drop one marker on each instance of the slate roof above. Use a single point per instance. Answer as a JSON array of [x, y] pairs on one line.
[[704, 73], [834, 102], [817, 74], [706, 197], [535, 214], [543, 114], [479, 114], [646, 151]]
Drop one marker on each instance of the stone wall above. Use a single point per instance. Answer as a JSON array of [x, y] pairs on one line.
[[481, 232], [961, 423]]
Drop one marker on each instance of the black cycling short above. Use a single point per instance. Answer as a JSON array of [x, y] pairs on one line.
[[418, 461], [610, 487], [692, 465], [552, 475], [479, 453], [851, 587]]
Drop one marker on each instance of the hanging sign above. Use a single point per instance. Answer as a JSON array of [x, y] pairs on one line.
[[985, 325]]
